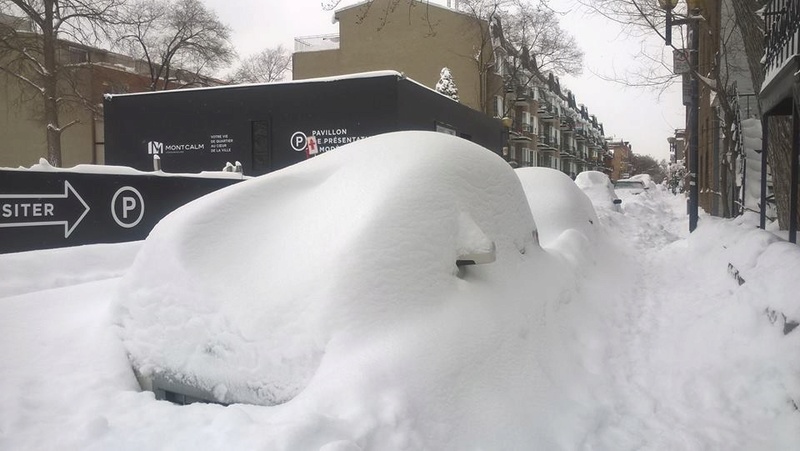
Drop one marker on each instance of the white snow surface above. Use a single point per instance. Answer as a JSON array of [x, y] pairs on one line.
[[44, 166], [329, 289], [752, 135]]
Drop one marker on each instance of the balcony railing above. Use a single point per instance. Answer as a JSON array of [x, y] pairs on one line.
[[316, 43], [568, 150], [782, 20], [547, 143]]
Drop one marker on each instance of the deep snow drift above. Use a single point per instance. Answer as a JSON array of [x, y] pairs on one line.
[[336, 291]]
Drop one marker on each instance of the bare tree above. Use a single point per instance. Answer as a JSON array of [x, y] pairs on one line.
[[265, 66], [517, 40], [31, 49], [641, 20], [533, 29], [182, 42], [644, 18], [523, 42], [645, 164], [383, 11]]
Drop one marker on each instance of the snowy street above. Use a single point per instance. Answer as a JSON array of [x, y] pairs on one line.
[[620, 333]]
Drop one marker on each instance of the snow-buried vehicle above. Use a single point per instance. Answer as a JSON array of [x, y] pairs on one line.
[[318, 262]]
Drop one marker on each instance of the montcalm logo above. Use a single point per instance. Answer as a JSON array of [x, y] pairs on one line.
[[155, 148]]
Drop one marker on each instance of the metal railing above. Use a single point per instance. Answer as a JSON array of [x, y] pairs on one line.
[[782, 21], [316, 43]]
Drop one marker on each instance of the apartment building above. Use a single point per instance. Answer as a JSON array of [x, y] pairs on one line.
[[545, 124], [621, 161], [677, 146]]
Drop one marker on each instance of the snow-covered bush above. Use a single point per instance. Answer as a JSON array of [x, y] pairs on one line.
[[446, 85]]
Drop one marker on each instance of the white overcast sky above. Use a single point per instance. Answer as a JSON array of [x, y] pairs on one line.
[[641, 117]]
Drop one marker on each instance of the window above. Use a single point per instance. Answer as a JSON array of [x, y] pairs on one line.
[[77, 55], [499, 63], [498, 107]]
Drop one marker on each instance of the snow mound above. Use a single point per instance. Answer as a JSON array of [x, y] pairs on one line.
[[245, 292], [53, 268]]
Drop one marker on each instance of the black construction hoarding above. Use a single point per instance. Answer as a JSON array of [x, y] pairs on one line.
[[270, 126], [51, 209]]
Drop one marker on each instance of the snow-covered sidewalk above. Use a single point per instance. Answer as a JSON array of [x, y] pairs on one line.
[[694, 361]]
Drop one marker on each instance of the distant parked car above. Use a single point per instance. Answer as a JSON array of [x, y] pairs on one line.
[[648, 181], [600, 190], [557, 204], [629, 186]]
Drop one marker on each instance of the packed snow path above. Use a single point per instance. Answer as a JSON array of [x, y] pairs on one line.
[[687, 366]]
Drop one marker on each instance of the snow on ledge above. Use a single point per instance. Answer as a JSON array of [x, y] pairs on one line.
[[44, 166], [372, 74]]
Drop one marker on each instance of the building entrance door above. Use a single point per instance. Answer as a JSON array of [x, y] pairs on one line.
[[262, 152]]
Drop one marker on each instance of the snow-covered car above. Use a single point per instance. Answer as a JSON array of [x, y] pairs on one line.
[[629, 186], [322, 264], [647, 179], [557, 203], [598, 187]]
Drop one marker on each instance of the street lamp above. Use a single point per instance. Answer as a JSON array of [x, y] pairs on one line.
[[693, 123], [668, 6]]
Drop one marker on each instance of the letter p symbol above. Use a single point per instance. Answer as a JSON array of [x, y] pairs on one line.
[[128, 204]]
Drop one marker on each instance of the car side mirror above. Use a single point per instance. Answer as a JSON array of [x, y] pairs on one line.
[[477, 257], [617, 201]]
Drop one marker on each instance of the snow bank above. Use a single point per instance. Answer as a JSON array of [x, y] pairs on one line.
[[25, 272], [752, 135], [766, 265]]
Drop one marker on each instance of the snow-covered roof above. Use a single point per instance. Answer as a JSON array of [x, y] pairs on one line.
[[371, 74], [426, 4]]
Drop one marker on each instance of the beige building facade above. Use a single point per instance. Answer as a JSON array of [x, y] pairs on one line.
[[415, 38], [545, 125], [621, 163]]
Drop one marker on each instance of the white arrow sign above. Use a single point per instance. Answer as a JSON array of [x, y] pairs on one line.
[[31, 210]]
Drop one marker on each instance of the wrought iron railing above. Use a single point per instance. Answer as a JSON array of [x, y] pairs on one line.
[[782, 21]]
